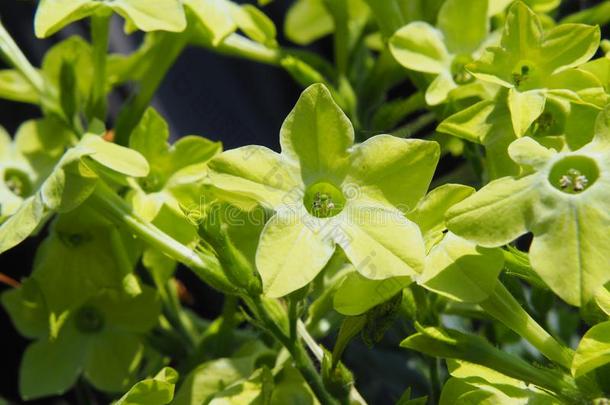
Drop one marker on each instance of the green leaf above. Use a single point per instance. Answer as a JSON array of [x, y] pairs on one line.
[[13, 86], [358, 294], [525, 108], [51, 367], [419, 46], [593, 351], [496, 214], [307, 21], [304, 252], [464, 24], [158, 390], [258, 388], [53, 15], [317, 135], [383, 161], [462, 271]]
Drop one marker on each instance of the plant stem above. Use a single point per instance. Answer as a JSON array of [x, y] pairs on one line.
[[161, 59], [11, 53], [413, 127], [99, 38], [505, 308], [302, 361], [238, 45]]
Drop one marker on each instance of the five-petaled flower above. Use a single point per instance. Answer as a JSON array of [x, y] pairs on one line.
[[327, 192]]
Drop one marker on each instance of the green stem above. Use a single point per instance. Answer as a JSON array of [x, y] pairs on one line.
[[301, 359], [11, 53], [99, 37], [238, 45], [505, 308], [161, 59]]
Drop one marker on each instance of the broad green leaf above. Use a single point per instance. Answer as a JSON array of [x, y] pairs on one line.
[[158, 390], [464, 24], [419, 46], [316, 135], [51, 367], [22, 223], [383, 161], [358, 294], [256, 172], [68, 186], [307, 21], [374, 240], [593, 351], [304, 252], [495, 215], [13, 86], [460, 270], [568, 45], [525, 108], [257, 388]]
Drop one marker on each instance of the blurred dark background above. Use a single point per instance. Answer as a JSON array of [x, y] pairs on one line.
[[232, 100]]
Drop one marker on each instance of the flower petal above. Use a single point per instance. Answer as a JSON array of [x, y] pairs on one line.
[[316, 135], [152, 15], [53, 15], [522, 31], [256, 172], [380, 242], [569, 45], [525, 107], [391, 170], [464, 23], [527, 152], [496, 214], [419, 46], [294, 247]]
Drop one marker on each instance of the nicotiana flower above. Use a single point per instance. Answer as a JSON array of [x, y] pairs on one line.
[[533, 64], [563, 199], [461, 35], [101, 340], [328, 192]]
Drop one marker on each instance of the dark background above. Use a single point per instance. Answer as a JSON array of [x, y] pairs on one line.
[[232, 100]]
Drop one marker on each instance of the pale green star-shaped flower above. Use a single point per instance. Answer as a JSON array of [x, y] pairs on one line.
[[327, 192], [563, 200]]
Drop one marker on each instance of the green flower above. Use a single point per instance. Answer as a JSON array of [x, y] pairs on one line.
[[534, 64], [147, 15], [101, 340], [459, 38], [327, 192], [25, 161], [563, 200]]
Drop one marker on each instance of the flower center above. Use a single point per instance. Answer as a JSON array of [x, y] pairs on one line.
[[18, 182], [458, 69], [89, 319], [522, 73], [323, 200], [574, 174]]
